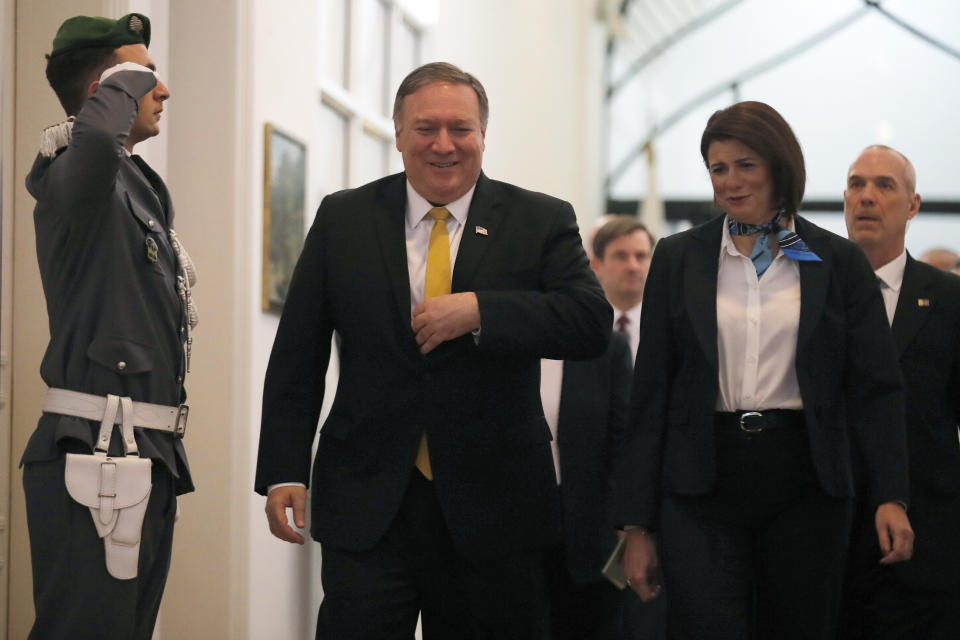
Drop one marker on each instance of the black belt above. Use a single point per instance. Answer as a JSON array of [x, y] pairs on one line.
[[759, 421]]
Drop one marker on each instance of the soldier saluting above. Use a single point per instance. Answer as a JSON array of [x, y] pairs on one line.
[[104, 466]]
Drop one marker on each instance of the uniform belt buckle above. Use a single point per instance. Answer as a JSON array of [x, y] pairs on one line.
[[745, 427], [181, 425]]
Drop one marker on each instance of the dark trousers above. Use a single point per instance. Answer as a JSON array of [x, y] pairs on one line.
[[643, 620], [588, 611], [414, 569], [762, 556], [73, 594], [905, 602]]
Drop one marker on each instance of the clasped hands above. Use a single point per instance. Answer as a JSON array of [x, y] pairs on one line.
[[444, 318]]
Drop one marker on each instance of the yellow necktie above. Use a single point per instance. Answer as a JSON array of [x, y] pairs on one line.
[[438, 256], [437, 284]]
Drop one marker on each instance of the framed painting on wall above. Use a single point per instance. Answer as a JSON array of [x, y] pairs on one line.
[[284, 196]]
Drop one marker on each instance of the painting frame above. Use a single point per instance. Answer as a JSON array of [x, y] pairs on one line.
[[284, 211]]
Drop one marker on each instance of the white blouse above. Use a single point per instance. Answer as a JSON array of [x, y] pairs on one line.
[[757, 325]]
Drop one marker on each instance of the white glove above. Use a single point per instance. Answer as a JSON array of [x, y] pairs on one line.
[[127, 66]]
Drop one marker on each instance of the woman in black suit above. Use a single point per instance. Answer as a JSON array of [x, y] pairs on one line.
[[765, 370]]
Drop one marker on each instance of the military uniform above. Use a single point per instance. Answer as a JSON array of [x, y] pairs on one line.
[[116, 294]]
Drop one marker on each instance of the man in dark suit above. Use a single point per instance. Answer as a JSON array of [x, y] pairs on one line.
[[116, 282], [622, 250], [585, 403], [433, 488], [920, 598]]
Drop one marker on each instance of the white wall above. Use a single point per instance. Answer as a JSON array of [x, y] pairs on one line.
[[285, 53], [7, 43], [540, 62], [208, 165]]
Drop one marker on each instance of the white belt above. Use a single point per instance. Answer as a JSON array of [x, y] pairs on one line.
[[92, 407]]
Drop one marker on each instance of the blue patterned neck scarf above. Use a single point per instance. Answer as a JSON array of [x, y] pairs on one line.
[[790, 243]]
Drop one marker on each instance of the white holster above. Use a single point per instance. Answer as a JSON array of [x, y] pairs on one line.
[[116, 490]]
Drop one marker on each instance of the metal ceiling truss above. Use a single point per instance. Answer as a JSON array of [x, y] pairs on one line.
[[656, 26]]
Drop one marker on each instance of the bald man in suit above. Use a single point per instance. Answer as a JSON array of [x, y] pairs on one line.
[[919, 598]]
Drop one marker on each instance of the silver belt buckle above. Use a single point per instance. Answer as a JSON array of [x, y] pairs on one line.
[[181, 426], [750, 414]]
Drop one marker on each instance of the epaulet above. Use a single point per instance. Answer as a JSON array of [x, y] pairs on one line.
[[55, 137]]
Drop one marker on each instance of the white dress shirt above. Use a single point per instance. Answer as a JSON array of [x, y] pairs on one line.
[[419, 224], [551, 383], [632, 326], [891, 275], [757, 325]]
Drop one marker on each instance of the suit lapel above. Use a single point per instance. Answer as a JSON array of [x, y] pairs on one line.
[[910, 316], [388, 219], [700, 286], [485, 215], [814, 278]]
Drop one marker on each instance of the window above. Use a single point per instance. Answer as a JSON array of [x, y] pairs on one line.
[[370, 45]]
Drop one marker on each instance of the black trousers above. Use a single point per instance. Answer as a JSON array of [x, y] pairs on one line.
[[905, 602], [73, 594], [762, 556], [643, 620], [414, 569], [589, 611]]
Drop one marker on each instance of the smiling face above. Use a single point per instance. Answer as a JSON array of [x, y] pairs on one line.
[[742, 185], [878, 202], [147, 123], [441, 140]]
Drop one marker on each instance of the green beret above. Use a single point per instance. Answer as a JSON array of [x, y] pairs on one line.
[[84, 32]]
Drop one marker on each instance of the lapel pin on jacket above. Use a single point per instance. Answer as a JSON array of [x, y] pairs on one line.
[[152, 249], [480, 231], [923, 302]]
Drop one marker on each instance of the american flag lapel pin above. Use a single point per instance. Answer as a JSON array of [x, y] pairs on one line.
[[480, 231], [923, 302]]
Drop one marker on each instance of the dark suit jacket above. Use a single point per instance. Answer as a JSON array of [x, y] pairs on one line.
[[106, 301], [593, 412], [479, 401], [926, 330], [846, 369]]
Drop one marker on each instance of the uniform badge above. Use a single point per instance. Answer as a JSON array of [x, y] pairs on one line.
[[153, 251], [481, 231], [923, 302]]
